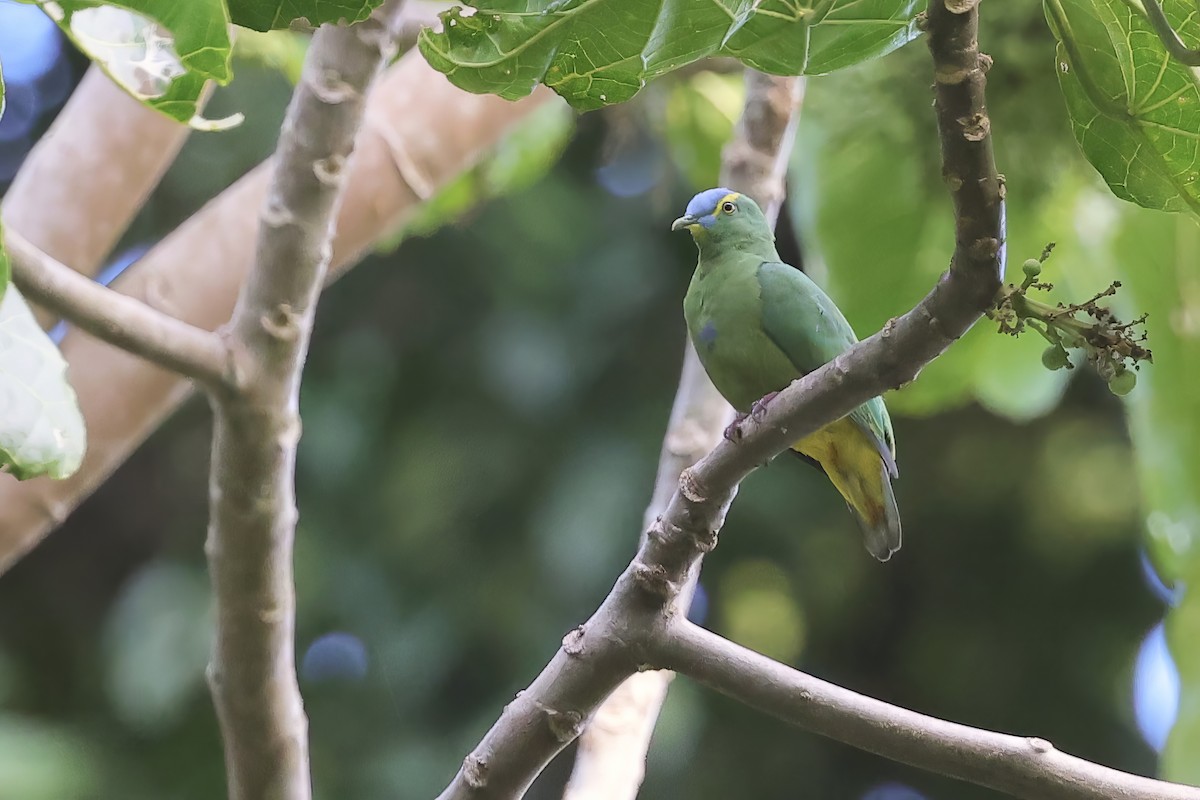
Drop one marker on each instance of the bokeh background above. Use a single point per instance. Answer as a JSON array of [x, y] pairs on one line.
[[483, 411]]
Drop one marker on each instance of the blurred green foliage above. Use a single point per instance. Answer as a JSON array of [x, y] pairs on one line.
[[281, 50], [483, 413]]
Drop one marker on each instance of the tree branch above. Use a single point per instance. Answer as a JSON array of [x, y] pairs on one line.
[[116, 318], [119, 146], [610, 761], [257, 425], [638, 623], [420, 131], [1021, 766]]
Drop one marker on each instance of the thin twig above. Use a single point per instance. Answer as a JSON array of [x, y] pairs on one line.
[[610, 760], [1021, 766], [257, 425], [118, 319]]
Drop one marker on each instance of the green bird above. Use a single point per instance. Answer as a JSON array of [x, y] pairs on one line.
[[758, 324]]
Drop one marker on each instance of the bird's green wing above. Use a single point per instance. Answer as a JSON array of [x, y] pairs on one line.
[[811, 331]]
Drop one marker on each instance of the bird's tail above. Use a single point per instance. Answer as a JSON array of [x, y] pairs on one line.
[[877, 515]]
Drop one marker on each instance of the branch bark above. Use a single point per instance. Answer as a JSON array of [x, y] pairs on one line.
[[116, 318], [610, 760], [638, 626], [1019, 765], [419, 133], [252, 506], [119, 145]]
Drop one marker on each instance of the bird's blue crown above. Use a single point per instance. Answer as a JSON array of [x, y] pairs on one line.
[[706, 202]]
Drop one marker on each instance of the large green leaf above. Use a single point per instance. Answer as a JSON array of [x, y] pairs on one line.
[[265, 15], [851, 32], [599, 52], [160, 51], [1135, 111], [41, 429]]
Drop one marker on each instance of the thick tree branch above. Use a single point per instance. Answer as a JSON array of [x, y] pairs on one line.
[[75, 221], [628, 629], [257, 424], [1021, 766], [420, 132], [87, 177], [117, 318], [610, 762]]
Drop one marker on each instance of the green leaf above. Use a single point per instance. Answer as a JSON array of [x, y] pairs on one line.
[[843, 40], [600, 52], [161, 52], [265, 15], [1134, 110], [41, 429]]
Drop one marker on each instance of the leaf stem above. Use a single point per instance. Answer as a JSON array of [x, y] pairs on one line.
[[1167, 35]]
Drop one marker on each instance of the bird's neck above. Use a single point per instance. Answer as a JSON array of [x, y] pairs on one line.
[[716, 252]]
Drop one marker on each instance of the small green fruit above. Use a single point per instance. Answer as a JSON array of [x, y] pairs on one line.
[[1032, 268], [1122, 383], [1054, 357]]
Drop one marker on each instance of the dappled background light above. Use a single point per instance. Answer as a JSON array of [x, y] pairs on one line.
[[636, 168], [333, 657], [1155, 688]]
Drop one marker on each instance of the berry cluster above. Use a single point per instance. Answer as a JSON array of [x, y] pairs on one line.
[[1112, 347]]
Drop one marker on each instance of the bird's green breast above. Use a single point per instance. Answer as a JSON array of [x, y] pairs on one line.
[[724, 313]]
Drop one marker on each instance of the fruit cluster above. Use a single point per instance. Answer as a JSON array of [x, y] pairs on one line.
[[1114, 348]]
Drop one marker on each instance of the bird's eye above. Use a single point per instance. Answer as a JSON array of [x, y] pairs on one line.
[[728, 207]]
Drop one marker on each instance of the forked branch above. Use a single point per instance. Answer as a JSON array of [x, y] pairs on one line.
[[638, 625]]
